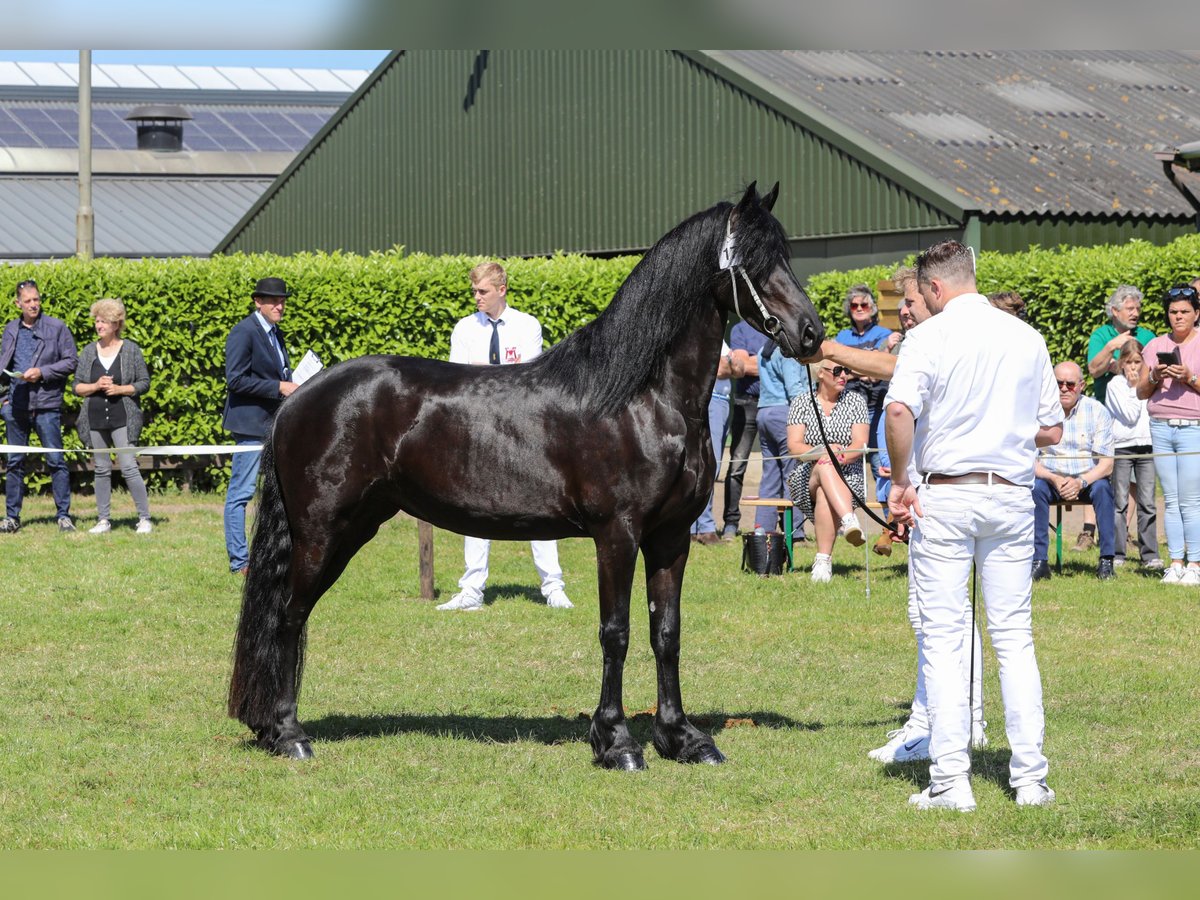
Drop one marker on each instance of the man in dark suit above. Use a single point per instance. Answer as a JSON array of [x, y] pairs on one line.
[[258, 377]]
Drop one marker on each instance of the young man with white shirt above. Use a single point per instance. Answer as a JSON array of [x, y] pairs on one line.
[[496, 334], [960, 406]]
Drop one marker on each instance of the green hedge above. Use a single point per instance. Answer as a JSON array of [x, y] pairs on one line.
[[181, 310]]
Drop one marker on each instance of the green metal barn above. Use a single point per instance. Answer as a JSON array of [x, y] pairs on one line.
[[528, 152]]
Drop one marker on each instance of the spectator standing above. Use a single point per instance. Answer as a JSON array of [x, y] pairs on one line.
[[865, 333], [37, 356], [780, 381], [257, 378], [1078, 468], [496, 334], [1131, 439], [971, 398], [704, 529], [815, 485], [111, 376], [745, 342], [1124, 309], [1174, 405]]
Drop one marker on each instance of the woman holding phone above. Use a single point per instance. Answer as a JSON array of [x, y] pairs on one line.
[[1171, 383]]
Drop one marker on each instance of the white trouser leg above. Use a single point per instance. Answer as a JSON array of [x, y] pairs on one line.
[[475, 554], [545, 559], [918, 720], [1005, 557]]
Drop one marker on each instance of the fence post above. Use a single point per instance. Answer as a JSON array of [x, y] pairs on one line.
[[425, 557]]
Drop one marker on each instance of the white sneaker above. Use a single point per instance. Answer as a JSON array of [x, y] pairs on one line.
[[144, 526], [102, 527], [1173, 575], [1034, 795], [822, 568], [903, 746], [1190, 576], [558, 600], [464, 602], [851, 530], [945, 796], [979, 740], [1154, 565]]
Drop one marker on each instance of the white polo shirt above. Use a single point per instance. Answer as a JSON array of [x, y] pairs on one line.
[[520, 338], [980, 384]]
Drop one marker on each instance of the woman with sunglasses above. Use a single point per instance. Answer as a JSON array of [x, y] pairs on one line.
[[865, 333], [1171, 382], [815, 486]]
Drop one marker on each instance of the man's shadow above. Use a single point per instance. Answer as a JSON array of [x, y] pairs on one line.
[[988, 764]]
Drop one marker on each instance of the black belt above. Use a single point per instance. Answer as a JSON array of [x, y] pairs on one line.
[[969, 478]]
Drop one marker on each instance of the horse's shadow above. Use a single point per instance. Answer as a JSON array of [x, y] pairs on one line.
[[553, 729]]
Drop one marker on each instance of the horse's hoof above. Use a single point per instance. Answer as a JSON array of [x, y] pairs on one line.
[[298, 750], [625, 761], [709, 755]]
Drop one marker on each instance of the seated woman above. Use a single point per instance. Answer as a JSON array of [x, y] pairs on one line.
[[815, 485]]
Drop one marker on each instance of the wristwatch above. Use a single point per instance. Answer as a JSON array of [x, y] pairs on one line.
[[1083, 483]]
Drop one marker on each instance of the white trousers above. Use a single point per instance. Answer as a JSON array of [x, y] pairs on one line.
[[971, 664], [992, 526], [475, 554]]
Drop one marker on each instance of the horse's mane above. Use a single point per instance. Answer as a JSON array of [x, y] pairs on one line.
[[614, 357]]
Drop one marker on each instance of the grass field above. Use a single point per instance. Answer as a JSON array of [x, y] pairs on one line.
[[470, 730]]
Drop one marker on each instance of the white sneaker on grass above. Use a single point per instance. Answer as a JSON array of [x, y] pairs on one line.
[[1034, 795], [945, 796], [904, 745], [979, 740], [102, 527], [144, 526], [822, 567], [463, 602], [1173, 575], [1190, 576], [851, 530], [558, 600]]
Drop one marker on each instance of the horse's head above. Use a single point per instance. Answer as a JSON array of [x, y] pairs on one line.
[[761, 287]]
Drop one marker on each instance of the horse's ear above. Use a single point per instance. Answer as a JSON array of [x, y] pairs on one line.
[[751, 195], [772, 195]]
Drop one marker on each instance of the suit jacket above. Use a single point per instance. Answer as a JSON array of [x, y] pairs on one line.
[[252, 376]]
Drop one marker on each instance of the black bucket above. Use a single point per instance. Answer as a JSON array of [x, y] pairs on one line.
[[764, 553]]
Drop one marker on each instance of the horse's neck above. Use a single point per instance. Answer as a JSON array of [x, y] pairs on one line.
[[692, 368]]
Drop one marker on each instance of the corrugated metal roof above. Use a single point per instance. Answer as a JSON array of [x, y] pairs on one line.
[[225, 78], [134, 216], [1065, 131]]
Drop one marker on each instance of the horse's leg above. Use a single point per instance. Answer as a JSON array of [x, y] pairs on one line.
[[666, 553], [613, 747]]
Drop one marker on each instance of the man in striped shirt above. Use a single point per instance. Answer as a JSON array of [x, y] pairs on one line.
[[1076, 469]]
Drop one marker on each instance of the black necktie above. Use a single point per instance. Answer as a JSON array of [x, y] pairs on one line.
[[277, 340], [494, 349]]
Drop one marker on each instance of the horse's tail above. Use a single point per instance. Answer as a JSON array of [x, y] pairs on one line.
[[259, 670]]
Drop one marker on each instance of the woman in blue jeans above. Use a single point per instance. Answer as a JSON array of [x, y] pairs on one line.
[[779, 380], [1172, 387]]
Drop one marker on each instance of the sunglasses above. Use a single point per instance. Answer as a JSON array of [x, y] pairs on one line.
[[838, 371], [1069, 385], [1185, 292], [860, 305], [28, 283]]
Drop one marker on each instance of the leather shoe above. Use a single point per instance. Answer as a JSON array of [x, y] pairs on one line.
[[708, 538], [730, 533], [1041, 569], [1104, 571]]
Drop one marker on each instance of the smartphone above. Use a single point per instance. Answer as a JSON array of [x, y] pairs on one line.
[[1169, 359]]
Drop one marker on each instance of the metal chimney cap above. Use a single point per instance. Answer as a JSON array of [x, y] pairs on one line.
[[158, 112]]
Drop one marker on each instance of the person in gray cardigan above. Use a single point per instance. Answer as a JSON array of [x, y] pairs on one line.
[[111, 376]]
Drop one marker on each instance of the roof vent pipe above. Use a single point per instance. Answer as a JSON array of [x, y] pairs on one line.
[[159, 126]]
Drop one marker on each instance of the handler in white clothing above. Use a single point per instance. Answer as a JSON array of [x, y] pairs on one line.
[[499, 335], [973, 397]]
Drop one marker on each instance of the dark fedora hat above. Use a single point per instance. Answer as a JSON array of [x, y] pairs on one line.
[[271, 287]]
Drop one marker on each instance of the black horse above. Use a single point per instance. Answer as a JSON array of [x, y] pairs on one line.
[[603, 436]]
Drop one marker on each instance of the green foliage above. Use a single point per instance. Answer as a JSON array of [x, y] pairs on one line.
[[181, 310]]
